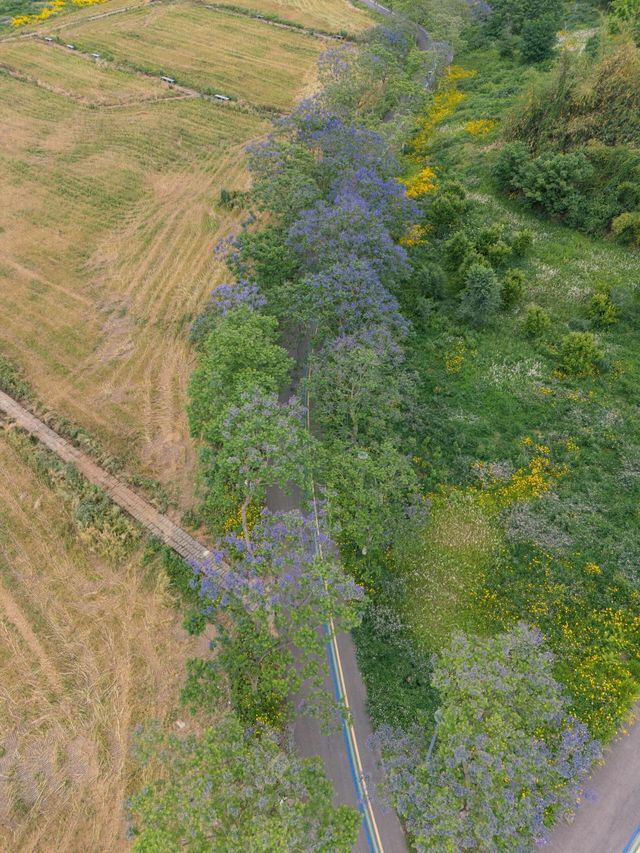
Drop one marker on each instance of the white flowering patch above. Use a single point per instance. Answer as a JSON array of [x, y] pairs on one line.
[[507, 373]]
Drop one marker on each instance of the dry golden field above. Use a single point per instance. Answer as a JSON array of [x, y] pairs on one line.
[[328, 15], [109, 182], [106, 254], [87, 650], [207, 49]]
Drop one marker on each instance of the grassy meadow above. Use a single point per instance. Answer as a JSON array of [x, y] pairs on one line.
[[533, 472]]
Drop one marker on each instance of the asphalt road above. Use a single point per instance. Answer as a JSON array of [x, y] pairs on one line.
[[607, 820], [349, 761]]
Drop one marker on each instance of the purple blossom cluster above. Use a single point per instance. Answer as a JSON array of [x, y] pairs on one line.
[[506, 759], [290, 565], [346, 297], [227, 297], [386, 199], [327, 234]]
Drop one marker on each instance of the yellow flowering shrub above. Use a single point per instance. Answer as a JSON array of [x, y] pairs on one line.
[[454, 359], [422, 183], [52, 8], [526, 484], [597, 647], [457, 72], [233, 522], [480, 127], [415, 236]]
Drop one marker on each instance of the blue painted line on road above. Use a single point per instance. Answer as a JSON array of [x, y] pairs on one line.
[[362, 806], [634, 842]]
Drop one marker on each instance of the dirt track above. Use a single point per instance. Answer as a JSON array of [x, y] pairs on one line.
[[138, 508]]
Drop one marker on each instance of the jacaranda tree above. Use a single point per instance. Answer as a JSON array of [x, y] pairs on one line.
[[289, 583], [360, 388], [340, 300], [507, 757], [263, 443], [327, 234], [227, 790]]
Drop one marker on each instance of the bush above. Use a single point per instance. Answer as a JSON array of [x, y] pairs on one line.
[[626, 229], [498, 253], [579, 354], [538, 39], [481, 296], [537, 322], [455, 250], [554, 182], [521, 242], [602, 310], [512, 288], [510, 162], [430, 280]]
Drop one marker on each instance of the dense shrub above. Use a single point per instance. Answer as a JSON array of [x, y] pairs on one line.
[[512, 288], [480, 297], [538, 38], [602, 310], [626, 228], [579, 353], [537, 321]]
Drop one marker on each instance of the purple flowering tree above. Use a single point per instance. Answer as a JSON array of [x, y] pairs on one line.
[[264, 443], [290, 584], [340, 149], [386, 198], [359, 387], [284, 172], [506, 760], [340, 300], [327, 234]]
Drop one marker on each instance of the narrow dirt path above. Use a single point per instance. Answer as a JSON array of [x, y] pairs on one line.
[[159, 525]]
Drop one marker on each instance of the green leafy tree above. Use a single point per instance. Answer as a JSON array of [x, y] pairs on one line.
[[481, 296], [359, 387], [225, 791], [264, 443], [506, 760], [539, 38], [240, 353], [371, 491]]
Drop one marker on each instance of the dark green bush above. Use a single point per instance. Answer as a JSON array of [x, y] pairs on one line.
[[538, 38], [480, 297], [521, 242], [512, 288], [579, 354], [508, 166], [537, 322]]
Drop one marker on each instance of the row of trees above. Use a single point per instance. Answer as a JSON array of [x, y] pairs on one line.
[[324, 274], [329, 272]]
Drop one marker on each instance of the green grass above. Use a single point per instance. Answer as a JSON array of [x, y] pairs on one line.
[[567, 560]]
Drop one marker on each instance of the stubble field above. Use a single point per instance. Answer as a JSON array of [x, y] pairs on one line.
[[110, 183]]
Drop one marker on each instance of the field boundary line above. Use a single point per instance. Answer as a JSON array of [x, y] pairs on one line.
[[159, 525]]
